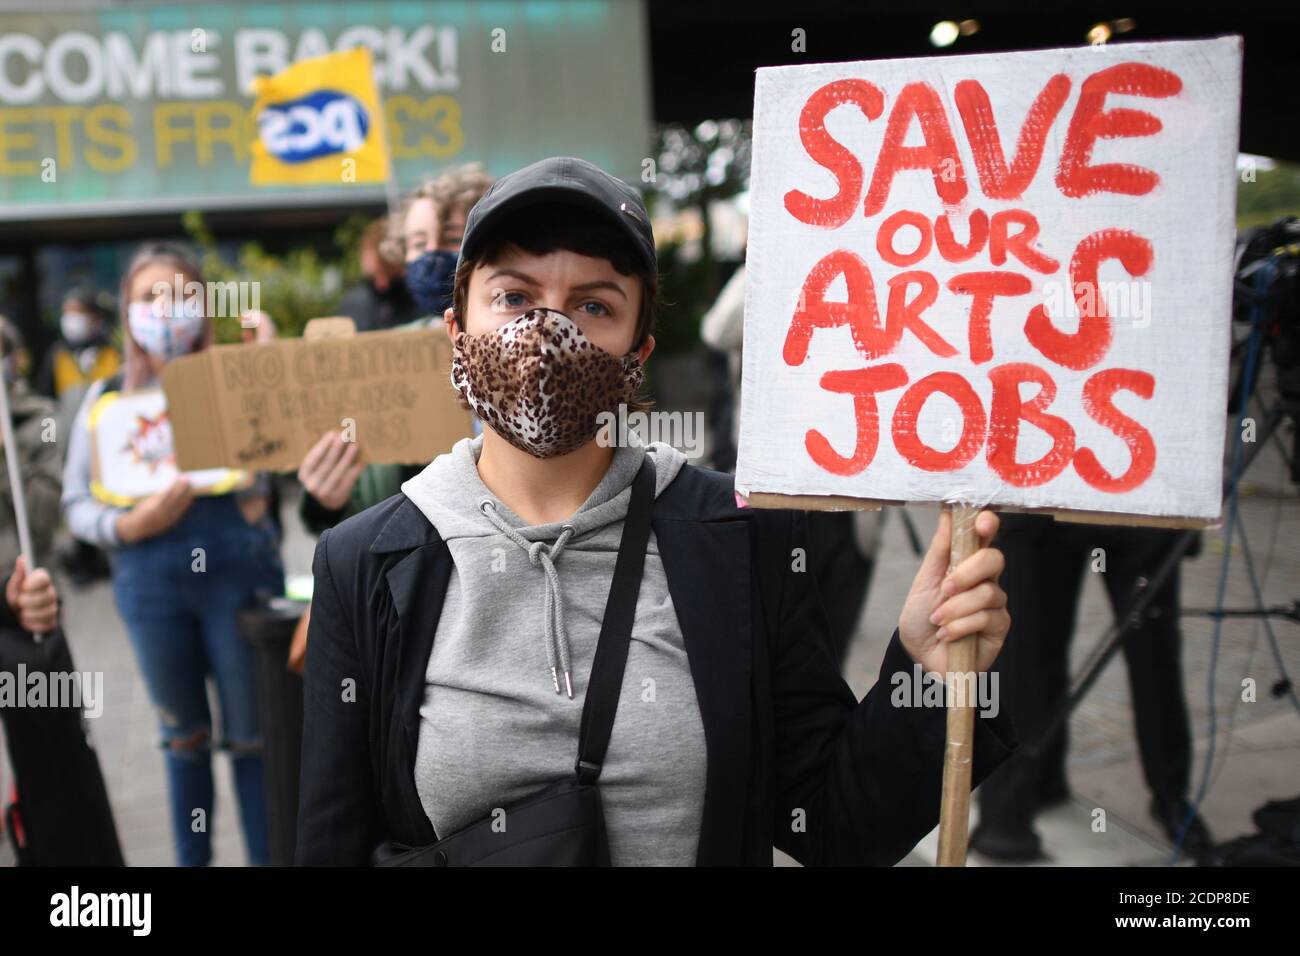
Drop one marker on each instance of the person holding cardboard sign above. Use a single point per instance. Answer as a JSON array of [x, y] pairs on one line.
[[472, 635], [185, 560], [334, 484]]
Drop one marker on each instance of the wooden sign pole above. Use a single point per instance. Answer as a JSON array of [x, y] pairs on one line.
[[954, 808]]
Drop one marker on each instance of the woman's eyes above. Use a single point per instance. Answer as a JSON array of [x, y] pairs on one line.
[[510, 299], [593, 308]]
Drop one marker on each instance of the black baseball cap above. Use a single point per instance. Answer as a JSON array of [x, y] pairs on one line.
[[565, 179]]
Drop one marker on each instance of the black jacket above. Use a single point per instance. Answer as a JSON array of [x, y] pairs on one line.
[[794, 760]]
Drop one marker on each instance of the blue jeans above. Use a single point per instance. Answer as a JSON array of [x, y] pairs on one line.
[[178, 594]]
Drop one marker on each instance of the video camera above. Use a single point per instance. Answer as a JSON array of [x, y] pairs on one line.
[[1268, 278]]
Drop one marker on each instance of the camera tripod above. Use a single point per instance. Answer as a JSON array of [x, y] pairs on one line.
[[1147, 587]]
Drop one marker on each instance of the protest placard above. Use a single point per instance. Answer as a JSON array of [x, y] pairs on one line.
[[1000, 279], [132, 454], [263, 405]]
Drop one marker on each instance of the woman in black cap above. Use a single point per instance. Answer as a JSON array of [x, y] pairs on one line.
[[457, 710]]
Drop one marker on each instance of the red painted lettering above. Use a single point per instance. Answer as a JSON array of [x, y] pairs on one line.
[[903, 314], [830, 153], [983, 287], [908, 411], [1075, 174], [862, 384], [1084, 348], [860, 312], [1009, 410], [1001, 240], [889, 228], [939, 154], [1097, 394], [947, 244], [997, 179]]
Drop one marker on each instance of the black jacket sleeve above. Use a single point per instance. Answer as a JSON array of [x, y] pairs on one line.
[[856, 782], [337, 806], [316, 518], [8, 618]]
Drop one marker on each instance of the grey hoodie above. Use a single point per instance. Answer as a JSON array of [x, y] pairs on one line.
[[523, 600]]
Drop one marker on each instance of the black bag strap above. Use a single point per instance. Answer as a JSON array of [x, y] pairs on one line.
[[606, 681]]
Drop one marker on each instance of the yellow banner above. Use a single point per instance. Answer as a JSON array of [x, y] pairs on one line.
[[319, 121]]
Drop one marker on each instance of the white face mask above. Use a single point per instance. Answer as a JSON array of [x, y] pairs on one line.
[[161, 334], [76, 327]]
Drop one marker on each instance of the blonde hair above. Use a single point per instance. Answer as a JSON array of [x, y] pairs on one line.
[[382, 237]]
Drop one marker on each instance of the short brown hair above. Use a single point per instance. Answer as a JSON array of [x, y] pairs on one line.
[[547, 227]]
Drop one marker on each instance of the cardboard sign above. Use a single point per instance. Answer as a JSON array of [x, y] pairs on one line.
[[998, 279], [329, 327], [263, 405], [132, 454]]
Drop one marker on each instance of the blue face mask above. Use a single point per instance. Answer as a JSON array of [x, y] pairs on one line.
[[430, 278]]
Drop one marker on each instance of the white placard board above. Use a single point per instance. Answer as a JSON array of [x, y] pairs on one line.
[[1001, 278], [132, 453]]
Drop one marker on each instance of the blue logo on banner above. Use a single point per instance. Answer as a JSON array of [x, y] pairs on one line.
[[318, 124]]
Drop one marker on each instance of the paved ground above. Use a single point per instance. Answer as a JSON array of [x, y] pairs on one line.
[[126, 735], [1258, 746]]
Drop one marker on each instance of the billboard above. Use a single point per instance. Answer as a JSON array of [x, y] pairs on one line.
[[149, 107]]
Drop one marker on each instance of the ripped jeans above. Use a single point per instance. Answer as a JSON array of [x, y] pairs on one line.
[[178, 594]]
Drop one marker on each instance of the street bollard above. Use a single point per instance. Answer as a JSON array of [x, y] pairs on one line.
[[268, 625]]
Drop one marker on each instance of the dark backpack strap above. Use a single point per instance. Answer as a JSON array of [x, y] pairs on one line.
[[606, 681]]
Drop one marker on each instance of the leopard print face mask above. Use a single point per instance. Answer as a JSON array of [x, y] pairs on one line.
[[541, 384]]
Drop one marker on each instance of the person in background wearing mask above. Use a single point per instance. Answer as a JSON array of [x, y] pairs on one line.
[[181, 621], [381, 300], [334, 485], [82, 356], [83, 353], [431, 235], [495, 562]]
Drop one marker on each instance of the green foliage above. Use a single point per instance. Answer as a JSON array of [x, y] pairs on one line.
[[1274, 193], [293, 287], [695, 165], [686, 290]]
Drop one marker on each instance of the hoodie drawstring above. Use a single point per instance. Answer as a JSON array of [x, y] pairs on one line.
[[544, 555]]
